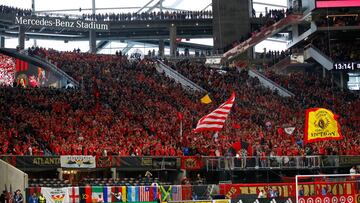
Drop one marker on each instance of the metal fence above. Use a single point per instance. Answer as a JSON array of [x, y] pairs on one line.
[[271, 162]]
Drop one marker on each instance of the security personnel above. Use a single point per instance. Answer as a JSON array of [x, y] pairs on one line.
[[42, 199]]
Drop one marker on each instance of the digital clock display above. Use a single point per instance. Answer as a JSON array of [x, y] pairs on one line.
[[347, 66]]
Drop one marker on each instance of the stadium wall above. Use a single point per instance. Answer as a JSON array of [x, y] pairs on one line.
[[231, 21], [12, 178]]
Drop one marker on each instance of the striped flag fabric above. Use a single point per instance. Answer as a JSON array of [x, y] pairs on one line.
[[147, 193], [176, 193], [133, 193], [21, 65], [107, 194], [215, 120], [85, 194]]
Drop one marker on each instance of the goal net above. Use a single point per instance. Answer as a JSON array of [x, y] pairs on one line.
[[334, 188]]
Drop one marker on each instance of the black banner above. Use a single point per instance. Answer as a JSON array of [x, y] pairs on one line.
[[166, 163], [145, 163], [349, 160], [138, 163], [38, 162], [142, 163]]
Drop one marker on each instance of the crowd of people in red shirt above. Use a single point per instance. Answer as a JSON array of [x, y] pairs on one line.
[[314, 91], [128, 108], [262, 115], [341, 49]]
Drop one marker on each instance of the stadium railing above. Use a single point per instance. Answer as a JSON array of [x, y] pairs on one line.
[[193, 162], [271, 84], [188, 84]]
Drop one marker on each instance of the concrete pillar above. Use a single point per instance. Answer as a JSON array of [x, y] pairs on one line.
[[2, 42], [60, 171], [342, 81], [161, 5], [33, 6], [295, 31], [173, 41], [92, 33], [92, 41], [113, 173], [93, 7], [161, 48], [252, 52], [231, 21], [21, 39]]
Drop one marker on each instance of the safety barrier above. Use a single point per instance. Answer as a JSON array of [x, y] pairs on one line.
[[187, 162]]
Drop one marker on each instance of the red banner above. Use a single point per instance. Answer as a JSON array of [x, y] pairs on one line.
[[288, 189], [191, 163], [103, 161], [328, 199], [233, 190]]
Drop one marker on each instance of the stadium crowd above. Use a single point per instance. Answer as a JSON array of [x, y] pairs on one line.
[[145, 16], [272, 57], [340, 49], [130, 108], [14, 10], [310, 91], [130, 16], [313, 91]]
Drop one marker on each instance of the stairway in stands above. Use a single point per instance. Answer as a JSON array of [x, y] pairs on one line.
[[262, 35], [179, 78], [266, 82], [316, 54], [290, 64]]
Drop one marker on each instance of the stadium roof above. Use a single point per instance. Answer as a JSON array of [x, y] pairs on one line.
[[72, 7], [128, 6]]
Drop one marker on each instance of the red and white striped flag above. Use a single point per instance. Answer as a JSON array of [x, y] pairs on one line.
[[216, 119], [176, 193], [147, 193]]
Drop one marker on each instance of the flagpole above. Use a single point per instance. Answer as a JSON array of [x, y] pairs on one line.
[[181, 128]]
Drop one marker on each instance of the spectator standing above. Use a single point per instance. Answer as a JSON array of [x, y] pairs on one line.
[[353, 170], [18, 197], [42, 199], [3, 197], [33, 198]]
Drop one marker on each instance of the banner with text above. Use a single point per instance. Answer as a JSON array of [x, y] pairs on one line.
[[77, 161], [69, 24]]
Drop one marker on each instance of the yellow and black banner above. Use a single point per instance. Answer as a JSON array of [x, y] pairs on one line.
[[321, 124]]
